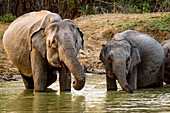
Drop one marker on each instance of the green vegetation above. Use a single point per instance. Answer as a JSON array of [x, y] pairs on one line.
[[76, 8], [1, 34], [156, 26], [7, 18], [159, 23], [162, 23], [132, 25], [124, 6]]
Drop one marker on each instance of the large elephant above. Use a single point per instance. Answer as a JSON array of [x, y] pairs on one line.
[[134, 59], [166, 46], [41, 43]]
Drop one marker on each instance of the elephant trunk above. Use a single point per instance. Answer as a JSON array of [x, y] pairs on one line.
[[71, 61], [121, 75]]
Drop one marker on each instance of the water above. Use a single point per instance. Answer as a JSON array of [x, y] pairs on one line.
[[92, 99]]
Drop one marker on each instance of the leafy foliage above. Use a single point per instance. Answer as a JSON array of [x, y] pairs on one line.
[[7, 18], [75, 8]]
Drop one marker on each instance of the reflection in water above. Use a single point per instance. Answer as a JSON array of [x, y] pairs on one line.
[[93, 98], [43, 102]]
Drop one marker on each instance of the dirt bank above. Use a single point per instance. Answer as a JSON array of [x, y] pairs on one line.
[[98, 29]]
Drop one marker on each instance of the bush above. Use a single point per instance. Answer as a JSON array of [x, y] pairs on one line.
[[1, 34], [7, 18]]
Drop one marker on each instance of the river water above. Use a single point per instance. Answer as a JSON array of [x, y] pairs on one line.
[[93, 98]]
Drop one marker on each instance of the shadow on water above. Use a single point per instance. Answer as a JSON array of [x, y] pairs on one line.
[[93, 98]]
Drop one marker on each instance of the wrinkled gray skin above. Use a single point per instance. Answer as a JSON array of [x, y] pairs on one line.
[[134, 59], [39, 44], [166, 46]]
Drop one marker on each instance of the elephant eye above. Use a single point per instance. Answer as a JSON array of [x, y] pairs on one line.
[[72, 27], [109, 60], [54, 44], [127, 61]]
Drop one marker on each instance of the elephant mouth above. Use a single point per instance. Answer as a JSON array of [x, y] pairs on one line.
[[56, 64]]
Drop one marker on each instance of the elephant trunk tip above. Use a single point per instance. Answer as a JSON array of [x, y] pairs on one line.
[[78, 85], [128, 89]]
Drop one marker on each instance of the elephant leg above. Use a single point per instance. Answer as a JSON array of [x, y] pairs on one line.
[[39, 71], [166, 78], [52, 77], [28, 81], [161, 79], [65, 78], [111, 83], [132, 78]]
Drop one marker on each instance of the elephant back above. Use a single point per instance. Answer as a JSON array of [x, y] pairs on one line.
[[22, 26], [148, 46], [152, 57]]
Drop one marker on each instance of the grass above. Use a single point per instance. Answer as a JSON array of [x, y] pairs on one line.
[[159, 23], [162, 23], [1, 34]]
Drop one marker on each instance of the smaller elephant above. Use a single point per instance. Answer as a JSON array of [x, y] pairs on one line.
[[166, 46], [136, 60]]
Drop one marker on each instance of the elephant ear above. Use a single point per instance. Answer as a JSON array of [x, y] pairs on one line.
[[82, 39], [166, 50], [166, 54], [103, 53], [165, 44], [79, 35], [37, 37], [135, 55]]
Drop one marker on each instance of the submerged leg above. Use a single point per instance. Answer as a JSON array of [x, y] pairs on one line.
[[28, 81], [52, 77], [65, 78], [132, 78], [111, 83], [161, 75], [39, 71]]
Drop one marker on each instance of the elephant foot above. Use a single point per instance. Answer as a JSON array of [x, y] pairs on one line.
[[65, 79], [65, 90], [166, 80], [128, 89], [111, 84], [37, 90], [155, 85], [65, 85], [41, 88]]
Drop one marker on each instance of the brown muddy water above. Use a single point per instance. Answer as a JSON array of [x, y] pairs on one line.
[[93, 98]]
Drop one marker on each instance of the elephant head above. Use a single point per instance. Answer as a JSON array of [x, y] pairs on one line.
[[59, 41], [119, 56]]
